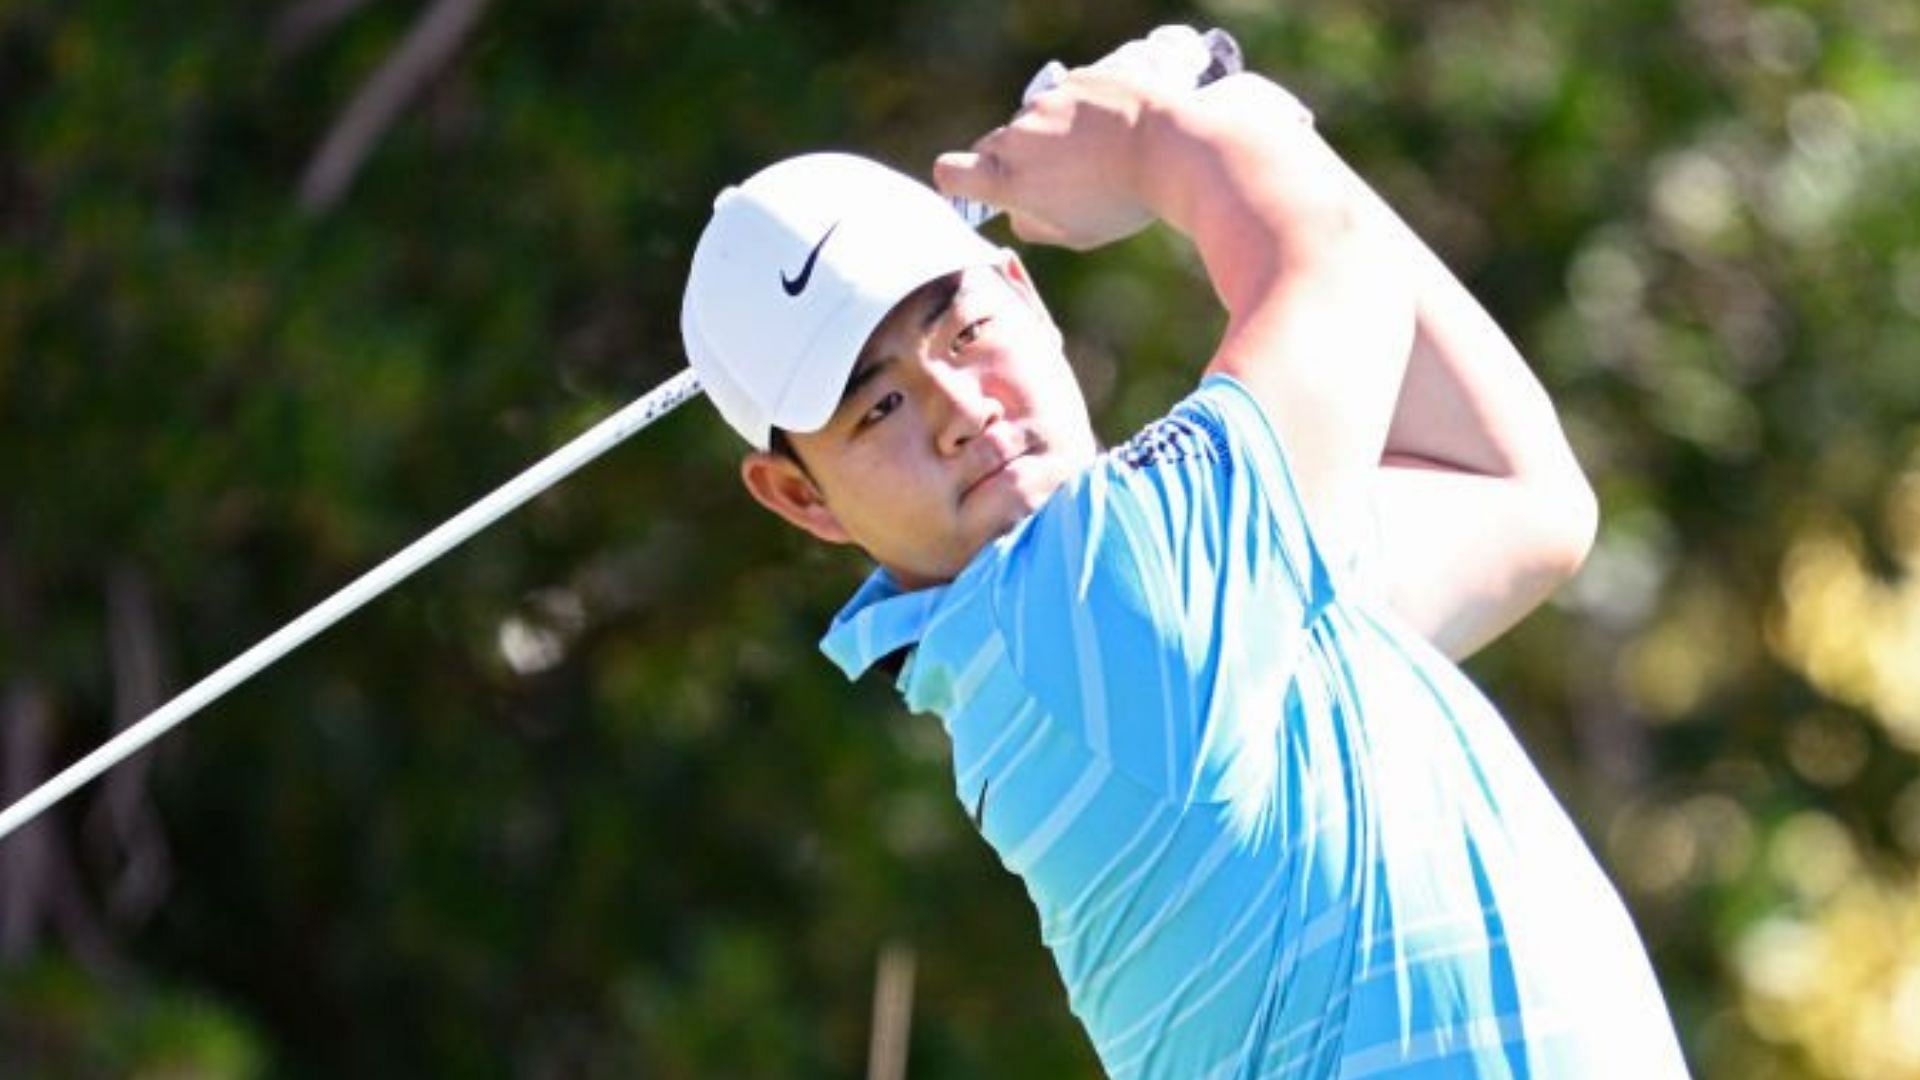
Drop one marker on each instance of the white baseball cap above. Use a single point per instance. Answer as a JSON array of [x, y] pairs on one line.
[[797, 267]]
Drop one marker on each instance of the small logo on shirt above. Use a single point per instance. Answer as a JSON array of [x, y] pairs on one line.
[[1165, 440], [798, 283]]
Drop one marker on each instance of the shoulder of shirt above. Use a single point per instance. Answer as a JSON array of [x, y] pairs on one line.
[[1194, 429]]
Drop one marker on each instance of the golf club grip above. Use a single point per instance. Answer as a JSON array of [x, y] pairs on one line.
[[1224, 58], [542, 475]]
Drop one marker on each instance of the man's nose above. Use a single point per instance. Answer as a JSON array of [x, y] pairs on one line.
[[970, 407]]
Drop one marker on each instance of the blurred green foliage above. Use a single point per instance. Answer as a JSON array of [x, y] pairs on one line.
[[582, 799]]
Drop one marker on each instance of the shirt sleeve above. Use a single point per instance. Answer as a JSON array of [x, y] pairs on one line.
[[1160, 600]]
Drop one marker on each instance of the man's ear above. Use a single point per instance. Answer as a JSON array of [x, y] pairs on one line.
[[778, 483]]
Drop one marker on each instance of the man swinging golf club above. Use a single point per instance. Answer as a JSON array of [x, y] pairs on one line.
[[1198, 686]]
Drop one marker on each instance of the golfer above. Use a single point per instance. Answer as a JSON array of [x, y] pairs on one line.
[[1200, 686]]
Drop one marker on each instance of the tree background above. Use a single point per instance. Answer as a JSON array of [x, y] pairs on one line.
[[282, 286]]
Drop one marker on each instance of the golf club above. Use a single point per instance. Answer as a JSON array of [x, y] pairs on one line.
[[1158, 56], [545, 473]]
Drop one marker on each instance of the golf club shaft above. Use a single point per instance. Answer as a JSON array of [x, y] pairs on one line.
[[1224, 59], [542, 475]]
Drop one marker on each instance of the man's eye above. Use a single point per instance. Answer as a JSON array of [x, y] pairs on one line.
[[968, 334], [888, 402]]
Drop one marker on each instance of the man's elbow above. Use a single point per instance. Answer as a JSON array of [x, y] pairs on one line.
[[1571, 523]]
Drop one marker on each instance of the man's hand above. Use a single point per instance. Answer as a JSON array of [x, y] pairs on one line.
[[1066, 169], [1172, 59], [1175, 59], [1078, 168]]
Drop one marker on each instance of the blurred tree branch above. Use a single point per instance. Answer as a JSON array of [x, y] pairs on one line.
[[24, 856], [124, 828], [892, 1012], [38, 883], [435, 37]]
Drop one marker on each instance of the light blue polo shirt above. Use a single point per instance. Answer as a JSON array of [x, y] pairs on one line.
[[1269, 831]]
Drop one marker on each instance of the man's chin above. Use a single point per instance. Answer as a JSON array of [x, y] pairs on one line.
[[1026, 483], [995, 507], [1009, 502]]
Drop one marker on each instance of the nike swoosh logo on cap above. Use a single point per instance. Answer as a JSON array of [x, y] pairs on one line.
[[798, 284]]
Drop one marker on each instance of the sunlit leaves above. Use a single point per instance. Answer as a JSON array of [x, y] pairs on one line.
[[583, 796]]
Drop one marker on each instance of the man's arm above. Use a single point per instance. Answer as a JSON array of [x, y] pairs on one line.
[[1482, 508], [1320, 312]]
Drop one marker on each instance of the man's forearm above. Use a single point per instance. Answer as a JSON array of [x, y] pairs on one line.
[[1320, 311], [1470, 402], [1235, 170], [1465, 557], [1320, 306], [1482, 508]]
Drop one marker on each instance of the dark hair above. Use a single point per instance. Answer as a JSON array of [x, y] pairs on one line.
[[778, 443]]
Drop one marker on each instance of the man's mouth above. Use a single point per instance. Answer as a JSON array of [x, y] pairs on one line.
[[1000, 466]]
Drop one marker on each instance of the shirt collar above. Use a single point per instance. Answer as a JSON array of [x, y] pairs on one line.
[[881, 619]]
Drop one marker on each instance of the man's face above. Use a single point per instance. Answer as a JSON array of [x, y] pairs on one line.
[[961, 417]]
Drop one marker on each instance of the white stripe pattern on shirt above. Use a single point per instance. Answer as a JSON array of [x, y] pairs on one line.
[[1086, 647], [1035, 845]]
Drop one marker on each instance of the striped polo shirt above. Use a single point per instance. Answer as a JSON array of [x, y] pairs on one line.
[[1269, 831]]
